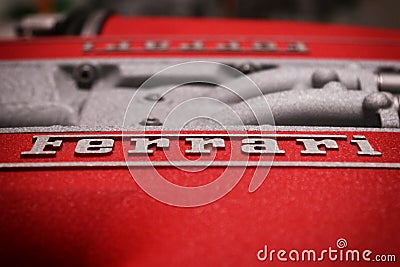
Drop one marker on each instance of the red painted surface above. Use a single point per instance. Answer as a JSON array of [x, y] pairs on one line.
[[100, 217], [128, 26], [323, 41]]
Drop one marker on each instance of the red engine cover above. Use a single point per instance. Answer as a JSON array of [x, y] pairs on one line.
[[72, 210]]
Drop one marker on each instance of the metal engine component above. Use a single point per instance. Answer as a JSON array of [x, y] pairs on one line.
[[97, 93], [389, 81]]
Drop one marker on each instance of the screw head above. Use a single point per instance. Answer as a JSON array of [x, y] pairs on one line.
[[85, 75], [151, 122], [154, 97], [247, 68]]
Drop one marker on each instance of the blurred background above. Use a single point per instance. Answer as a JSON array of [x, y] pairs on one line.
[[378, 13]]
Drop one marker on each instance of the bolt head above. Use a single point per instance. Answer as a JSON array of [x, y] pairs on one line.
[[376, 101]]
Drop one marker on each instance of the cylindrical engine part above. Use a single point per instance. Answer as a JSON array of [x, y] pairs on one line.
[[389, 82]]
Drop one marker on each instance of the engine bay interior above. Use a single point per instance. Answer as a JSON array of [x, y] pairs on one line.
[[298, 92]]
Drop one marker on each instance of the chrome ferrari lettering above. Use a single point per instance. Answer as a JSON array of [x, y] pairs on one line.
[[198, 145], [48, 145], [312, 147], [142, 145], [261, 146], [41, 146], [365, 148], [94, 146]]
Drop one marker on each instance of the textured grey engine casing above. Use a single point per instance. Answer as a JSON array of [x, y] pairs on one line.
[[45, 93]]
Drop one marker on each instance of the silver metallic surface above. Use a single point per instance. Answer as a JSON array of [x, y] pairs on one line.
[[198, 145], [297, 47], [321, 77], [142, 145], [79, 129], [197, 45], [94, 146], [87, 47], [376, 101], [252, 143], [261, 146], [365, 148], [163, 45], [124, 46], [40, 145], [234, 46], [389, 81], [44, 93], [270, 47], [314, 107], [150, 45], [312, 147]]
